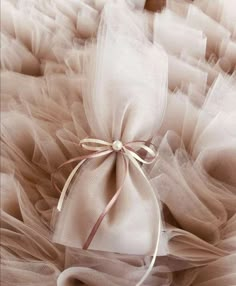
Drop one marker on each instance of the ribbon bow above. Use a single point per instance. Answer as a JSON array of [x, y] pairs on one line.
[[132, 151]]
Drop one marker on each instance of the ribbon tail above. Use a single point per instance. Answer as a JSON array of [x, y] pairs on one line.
[[67, 183], [158, 214], [106, 210]]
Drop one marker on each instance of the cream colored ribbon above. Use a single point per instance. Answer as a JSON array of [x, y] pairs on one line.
[[131, 151]]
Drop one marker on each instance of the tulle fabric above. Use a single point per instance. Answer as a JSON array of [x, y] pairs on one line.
[[124, 76], [45, 114]]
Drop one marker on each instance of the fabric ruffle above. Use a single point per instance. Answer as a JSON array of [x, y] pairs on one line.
[[44, 117]]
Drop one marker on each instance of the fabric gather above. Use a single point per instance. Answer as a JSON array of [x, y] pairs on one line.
[[118, 135]]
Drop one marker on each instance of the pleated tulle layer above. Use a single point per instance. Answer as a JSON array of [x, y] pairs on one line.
[[181, 93]]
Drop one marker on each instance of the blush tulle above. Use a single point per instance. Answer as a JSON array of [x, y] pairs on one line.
[[167, 76]]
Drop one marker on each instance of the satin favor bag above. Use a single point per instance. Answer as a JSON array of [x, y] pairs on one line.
[[124, 98]]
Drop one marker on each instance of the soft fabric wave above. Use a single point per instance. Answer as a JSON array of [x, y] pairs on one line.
[[175, 71]]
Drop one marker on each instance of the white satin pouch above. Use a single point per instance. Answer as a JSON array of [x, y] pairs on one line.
[[124, 99]]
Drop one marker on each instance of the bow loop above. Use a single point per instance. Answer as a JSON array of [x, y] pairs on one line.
[[92, 144], [136, 148]]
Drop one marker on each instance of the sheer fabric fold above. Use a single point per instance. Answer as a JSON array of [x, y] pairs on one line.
[[112, 70]]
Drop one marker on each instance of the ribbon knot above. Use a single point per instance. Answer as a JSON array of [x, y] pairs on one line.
[[130, 149], [136, 152]]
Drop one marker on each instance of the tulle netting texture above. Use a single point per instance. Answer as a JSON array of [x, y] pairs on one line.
[[183, 97]]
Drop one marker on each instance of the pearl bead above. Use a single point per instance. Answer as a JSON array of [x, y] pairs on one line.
[[117, 145]]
